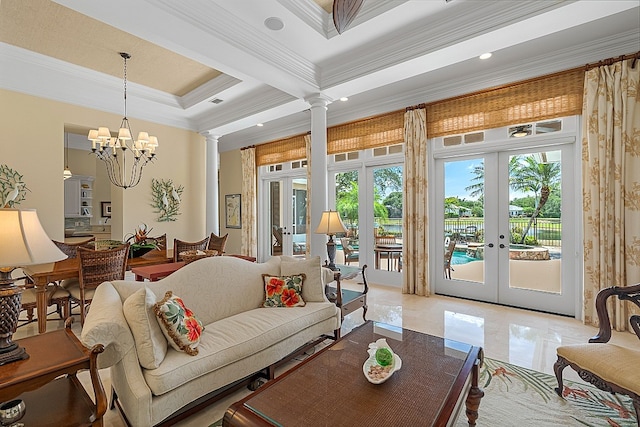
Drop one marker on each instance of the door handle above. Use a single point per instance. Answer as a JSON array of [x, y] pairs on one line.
[[502, 246], [490, 245]]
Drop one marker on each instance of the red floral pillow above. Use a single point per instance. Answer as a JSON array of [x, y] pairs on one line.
[[181, 327], [283, 291]]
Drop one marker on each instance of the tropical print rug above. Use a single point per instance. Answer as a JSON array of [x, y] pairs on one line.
[[516, 396]]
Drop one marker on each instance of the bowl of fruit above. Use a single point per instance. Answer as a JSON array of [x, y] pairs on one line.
[[382, 362]]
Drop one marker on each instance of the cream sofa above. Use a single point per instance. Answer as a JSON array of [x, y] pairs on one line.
[[239, 339]]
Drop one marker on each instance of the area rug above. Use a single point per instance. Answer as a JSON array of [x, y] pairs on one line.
[[516, 396]]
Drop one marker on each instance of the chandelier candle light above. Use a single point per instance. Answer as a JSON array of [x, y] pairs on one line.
[[330, 224], [114, 151]]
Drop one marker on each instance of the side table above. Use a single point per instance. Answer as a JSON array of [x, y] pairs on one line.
[[156, 272], [47, 381], [346, 299]]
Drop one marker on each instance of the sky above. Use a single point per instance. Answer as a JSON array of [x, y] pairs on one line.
[[458, 176]]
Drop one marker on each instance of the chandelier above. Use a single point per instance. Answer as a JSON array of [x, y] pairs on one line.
[[117, 152]]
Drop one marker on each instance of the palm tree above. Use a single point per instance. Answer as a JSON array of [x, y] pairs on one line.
[[539, 177]]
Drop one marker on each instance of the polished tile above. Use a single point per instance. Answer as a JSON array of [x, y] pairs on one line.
[[521, 337]]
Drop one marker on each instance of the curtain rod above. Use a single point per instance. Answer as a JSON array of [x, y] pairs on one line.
[[416, 107], [610, 61], [246, 148]]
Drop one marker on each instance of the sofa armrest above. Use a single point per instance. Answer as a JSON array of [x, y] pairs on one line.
[[105, 324]]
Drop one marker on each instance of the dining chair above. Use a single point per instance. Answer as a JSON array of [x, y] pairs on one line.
[[218, 243], [70, 249], [96, 267], [55, 295], [182, 246]]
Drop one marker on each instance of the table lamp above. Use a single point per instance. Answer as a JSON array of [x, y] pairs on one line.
[[23, 241], [330, 224]]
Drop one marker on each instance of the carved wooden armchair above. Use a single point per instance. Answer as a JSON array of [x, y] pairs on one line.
[[609, 367]]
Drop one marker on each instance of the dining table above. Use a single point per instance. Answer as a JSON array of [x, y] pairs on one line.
[[43, 274], [393, 252]]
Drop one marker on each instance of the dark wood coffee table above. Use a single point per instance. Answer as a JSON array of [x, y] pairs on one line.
[[329, 388]]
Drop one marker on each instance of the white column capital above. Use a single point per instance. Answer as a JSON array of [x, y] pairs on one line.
[[210, 136], [318, 100]]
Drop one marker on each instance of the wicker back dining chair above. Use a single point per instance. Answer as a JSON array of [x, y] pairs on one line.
[[71, 249], [96, 267], [217, 243], [182, 246]]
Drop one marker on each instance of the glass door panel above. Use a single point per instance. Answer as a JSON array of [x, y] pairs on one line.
[[386, 207], [348, 206], [286, 226]]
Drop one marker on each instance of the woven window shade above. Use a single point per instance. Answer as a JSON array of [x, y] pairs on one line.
[[542, 98], [378, 131], [282, 150]]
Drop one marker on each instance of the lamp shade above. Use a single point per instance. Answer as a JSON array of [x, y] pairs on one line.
[[23, 241], [330, 223]]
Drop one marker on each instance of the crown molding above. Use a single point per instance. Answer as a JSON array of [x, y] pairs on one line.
[[227, 28], [257, 101], [208, 90]]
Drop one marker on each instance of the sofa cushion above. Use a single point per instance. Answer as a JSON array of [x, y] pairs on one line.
[[313, 291], [283, 291], [151, 343], [179, 324], [229, 340]]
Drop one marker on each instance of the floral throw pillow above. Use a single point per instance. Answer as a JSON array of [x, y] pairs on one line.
[[181, 327], [283, 291]]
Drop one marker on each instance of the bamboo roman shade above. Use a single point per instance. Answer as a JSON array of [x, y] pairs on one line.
[[542, 98], [282, 150], [378, 131]]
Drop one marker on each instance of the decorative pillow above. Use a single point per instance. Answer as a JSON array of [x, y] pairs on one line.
[[179, 324], [283, 291], [313, 290], [150, 342]]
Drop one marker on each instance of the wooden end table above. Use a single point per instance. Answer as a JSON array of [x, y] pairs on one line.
[[437, 380], [346, 299], [47, 381]]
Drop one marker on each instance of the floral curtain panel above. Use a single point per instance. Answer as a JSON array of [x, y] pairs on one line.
[[248, 202], [307, 140], [611, 185], [415, 253]]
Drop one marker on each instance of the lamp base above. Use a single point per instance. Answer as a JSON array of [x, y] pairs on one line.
[[12, 353], [331, 253], [10, 304]]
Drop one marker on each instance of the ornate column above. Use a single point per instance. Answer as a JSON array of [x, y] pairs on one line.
[[318, 161], [212, 198]]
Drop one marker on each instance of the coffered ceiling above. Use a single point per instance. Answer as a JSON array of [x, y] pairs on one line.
[[395, 54]]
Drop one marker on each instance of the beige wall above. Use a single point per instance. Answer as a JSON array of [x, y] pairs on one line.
[[33, 144], [230, 183]]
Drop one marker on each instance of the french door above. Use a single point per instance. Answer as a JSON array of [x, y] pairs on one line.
[[504, 210], [283, 216]]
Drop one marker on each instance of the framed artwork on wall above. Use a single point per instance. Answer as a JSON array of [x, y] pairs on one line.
[[232, 211], [106, 209]]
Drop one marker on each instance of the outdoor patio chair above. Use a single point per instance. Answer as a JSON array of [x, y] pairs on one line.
[[350, 255], [470, 233], [609, 367], [448, 254], [277, 245]]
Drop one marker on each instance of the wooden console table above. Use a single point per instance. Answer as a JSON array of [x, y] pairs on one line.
[[348, 300], [153, 273], [47, 381]]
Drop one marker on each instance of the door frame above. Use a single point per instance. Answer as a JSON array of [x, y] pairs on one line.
[[572, 277]]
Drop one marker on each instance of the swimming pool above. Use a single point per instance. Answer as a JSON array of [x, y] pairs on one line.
[[461, 258]]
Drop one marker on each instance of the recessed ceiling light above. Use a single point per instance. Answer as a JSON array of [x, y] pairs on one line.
[[259, 125], [274, 24], [344, 99], [485, 55]]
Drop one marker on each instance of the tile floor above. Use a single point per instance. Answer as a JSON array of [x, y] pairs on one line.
[[520, 337]]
